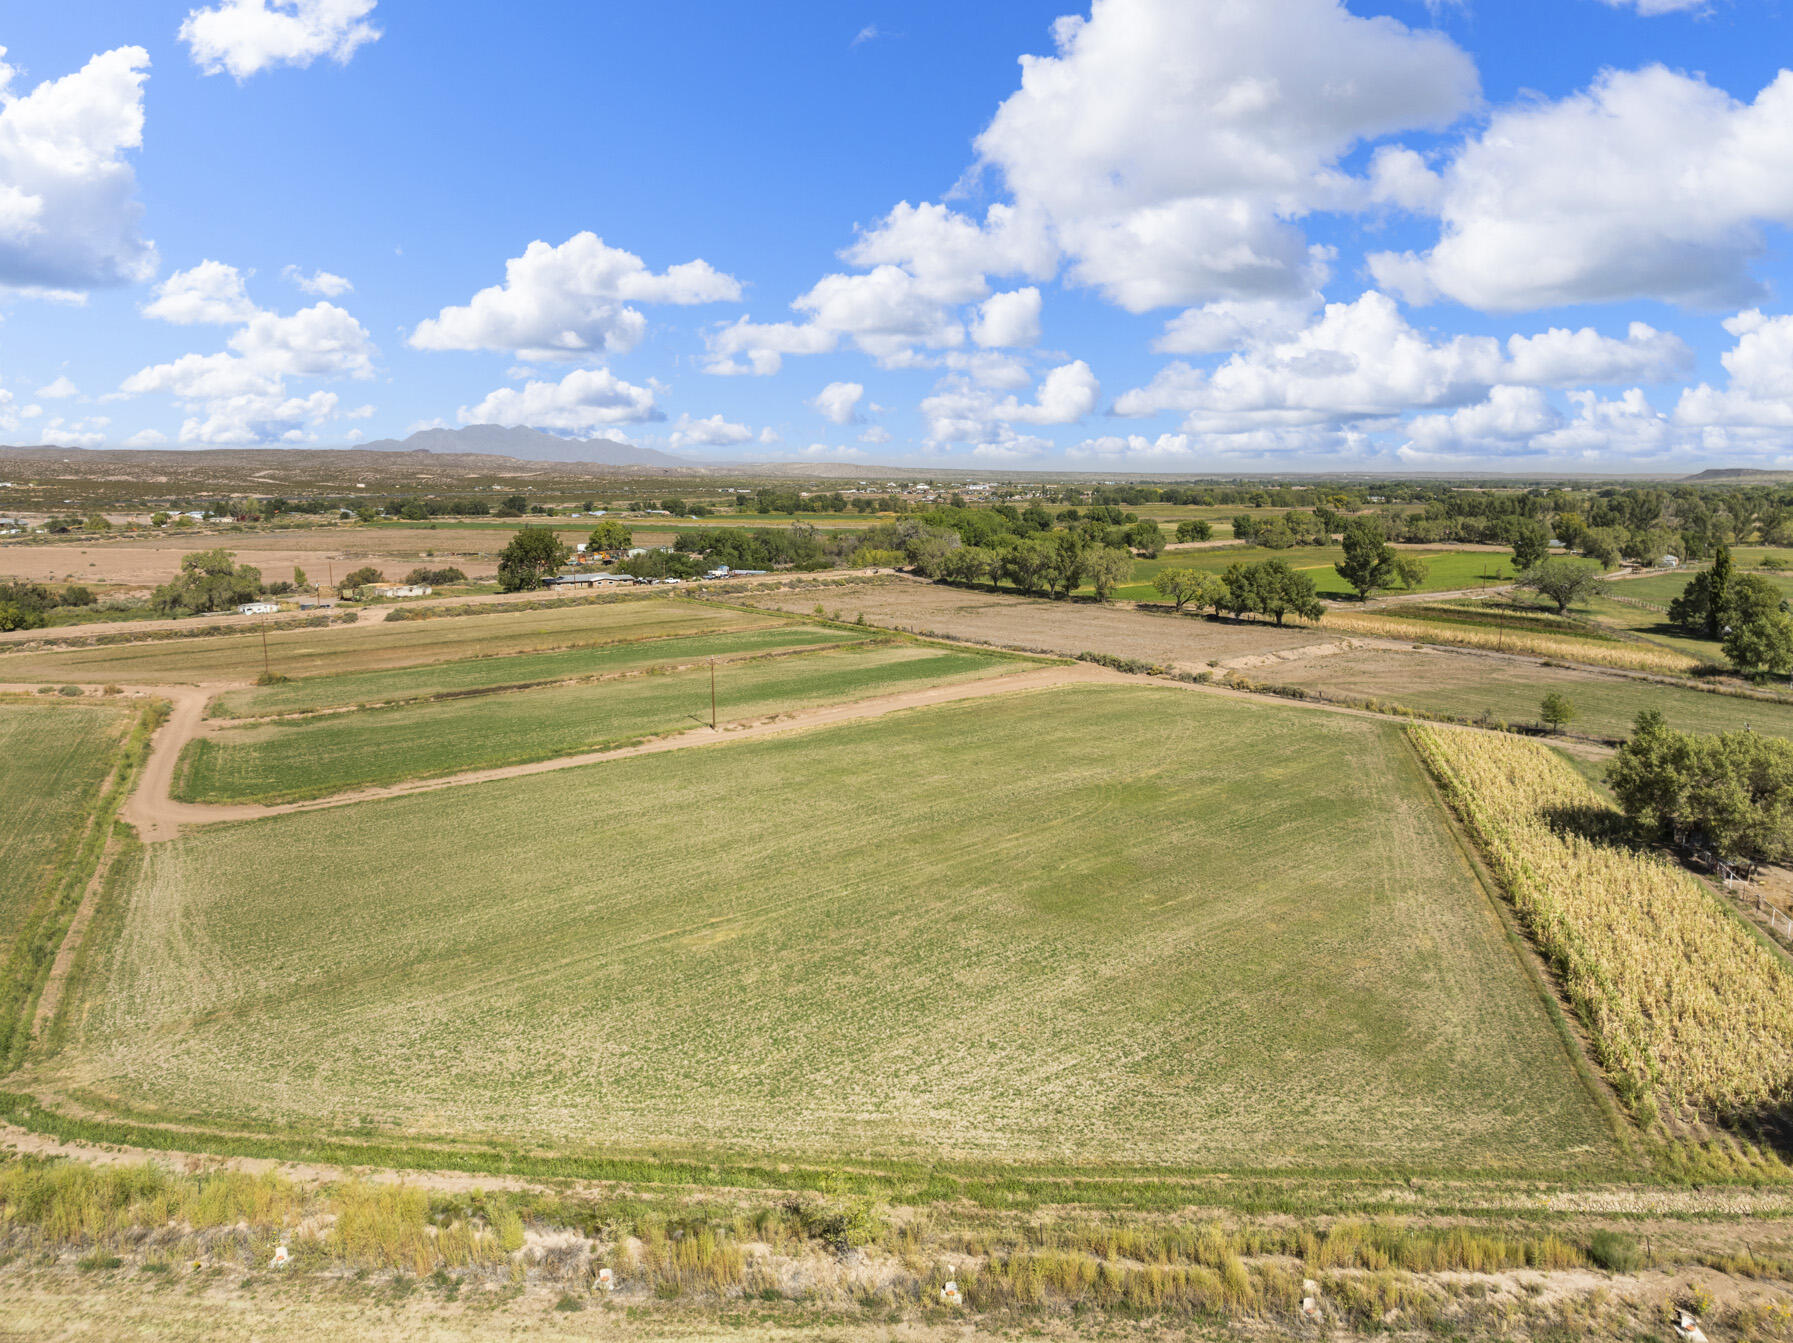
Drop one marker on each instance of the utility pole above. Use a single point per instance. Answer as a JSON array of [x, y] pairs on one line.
[[267, 670], [712, 693]]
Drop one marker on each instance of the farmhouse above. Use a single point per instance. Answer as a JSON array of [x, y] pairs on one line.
[[587, 580]]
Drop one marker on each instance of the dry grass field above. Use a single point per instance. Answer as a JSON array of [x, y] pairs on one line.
[[1034, 624], [472, 675], [1466, 686], [1086, 925], [339, 650]]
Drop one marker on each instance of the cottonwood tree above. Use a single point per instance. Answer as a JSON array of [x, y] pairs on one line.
[[1733, 791], [1108, 569], [1184, 586], [1562, 580], [1530, 542], [533, 554], [1369, 561]]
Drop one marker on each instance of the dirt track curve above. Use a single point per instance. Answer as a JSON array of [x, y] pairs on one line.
[[153, 810]]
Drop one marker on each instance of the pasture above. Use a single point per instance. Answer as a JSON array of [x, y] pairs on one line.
[[519, 669], [1446, 570], [1467, 686], [290, 760], [53, 758], [384, 644], [1086, 925]]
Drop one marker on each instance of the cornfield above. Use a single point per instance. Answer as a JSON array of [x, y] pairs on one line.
[[1683, 1003], [1632, 656]]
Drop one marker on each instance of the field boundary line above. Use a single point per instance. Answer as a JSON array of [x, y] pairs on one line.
[[1570, 1030]]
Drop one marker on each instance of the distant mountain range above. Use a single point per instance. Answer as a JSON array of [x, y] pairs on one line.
[[528, 445]]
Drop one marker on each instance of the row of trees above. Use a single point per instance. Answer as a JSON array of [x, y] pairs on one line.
[[1270, 588], [27, 606], [1057, 564], [1732, 793]]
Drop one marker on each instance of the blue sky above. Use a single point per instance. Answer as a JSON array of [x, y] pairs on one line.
[[1184, 235]]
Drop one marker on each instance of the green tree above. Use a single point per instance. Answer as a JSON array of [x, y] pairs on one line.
[[1733, 792], [209, 580], [1562, 580], [1147, 537], [533, 554], [1067, 563], [1024, 564], [1718, 590], [16, 617], [1280, 590], [1530, 542], [610, 535], [1240, 584], [1761, 645], [1108, 569], [1411, 571], [299, 579], [1194, 529], [1556, 711], [1369, 561], [1183, 586]]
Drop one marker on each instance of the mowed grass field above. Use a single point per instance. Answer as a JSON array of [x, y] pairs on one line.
[[349, 648], [53, 759], [1089, 925], [449, 678], [1453, 683], [1446, 570], [304, 758], [1664, 588]]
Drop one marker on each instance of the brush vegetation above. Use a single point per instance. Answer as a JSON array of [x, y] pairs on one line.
[[1567, 646]]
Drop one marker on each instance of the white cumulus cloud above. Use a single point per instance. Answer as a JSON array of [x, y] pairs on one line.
[[585, 400], [69, 218], [570, 301], [248, 36], [210, 292], [839, 401], [1008, 320], [1650, 184], [321, 283]]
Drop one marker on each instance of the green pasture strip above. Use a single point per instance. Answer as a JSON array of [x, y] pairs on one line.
[[523, 669], [1662, 589], [109, 747], [1446, 570], [1466, 687], [1652, 627], [1101, 925], [402, 643], [291, 761]]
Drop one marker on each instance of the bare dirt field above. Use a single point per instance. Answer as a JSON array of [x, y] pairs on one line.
[[1034, 624], [147, 560]]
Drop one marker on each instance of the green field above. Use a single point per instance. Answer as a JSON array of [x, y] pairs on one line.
[[1087, 925], [1446, 570], [1664, 588], [53, 759], [1466, 686], [345, 648], [312, 757], [449, 678]]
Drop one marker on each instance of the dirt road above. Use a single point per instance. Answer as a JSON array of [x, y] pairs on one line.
[[158, 817]]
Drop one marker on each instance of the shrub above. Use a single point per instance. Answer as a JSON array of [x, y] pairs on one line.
[[1614, 1251], [71, 691]]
